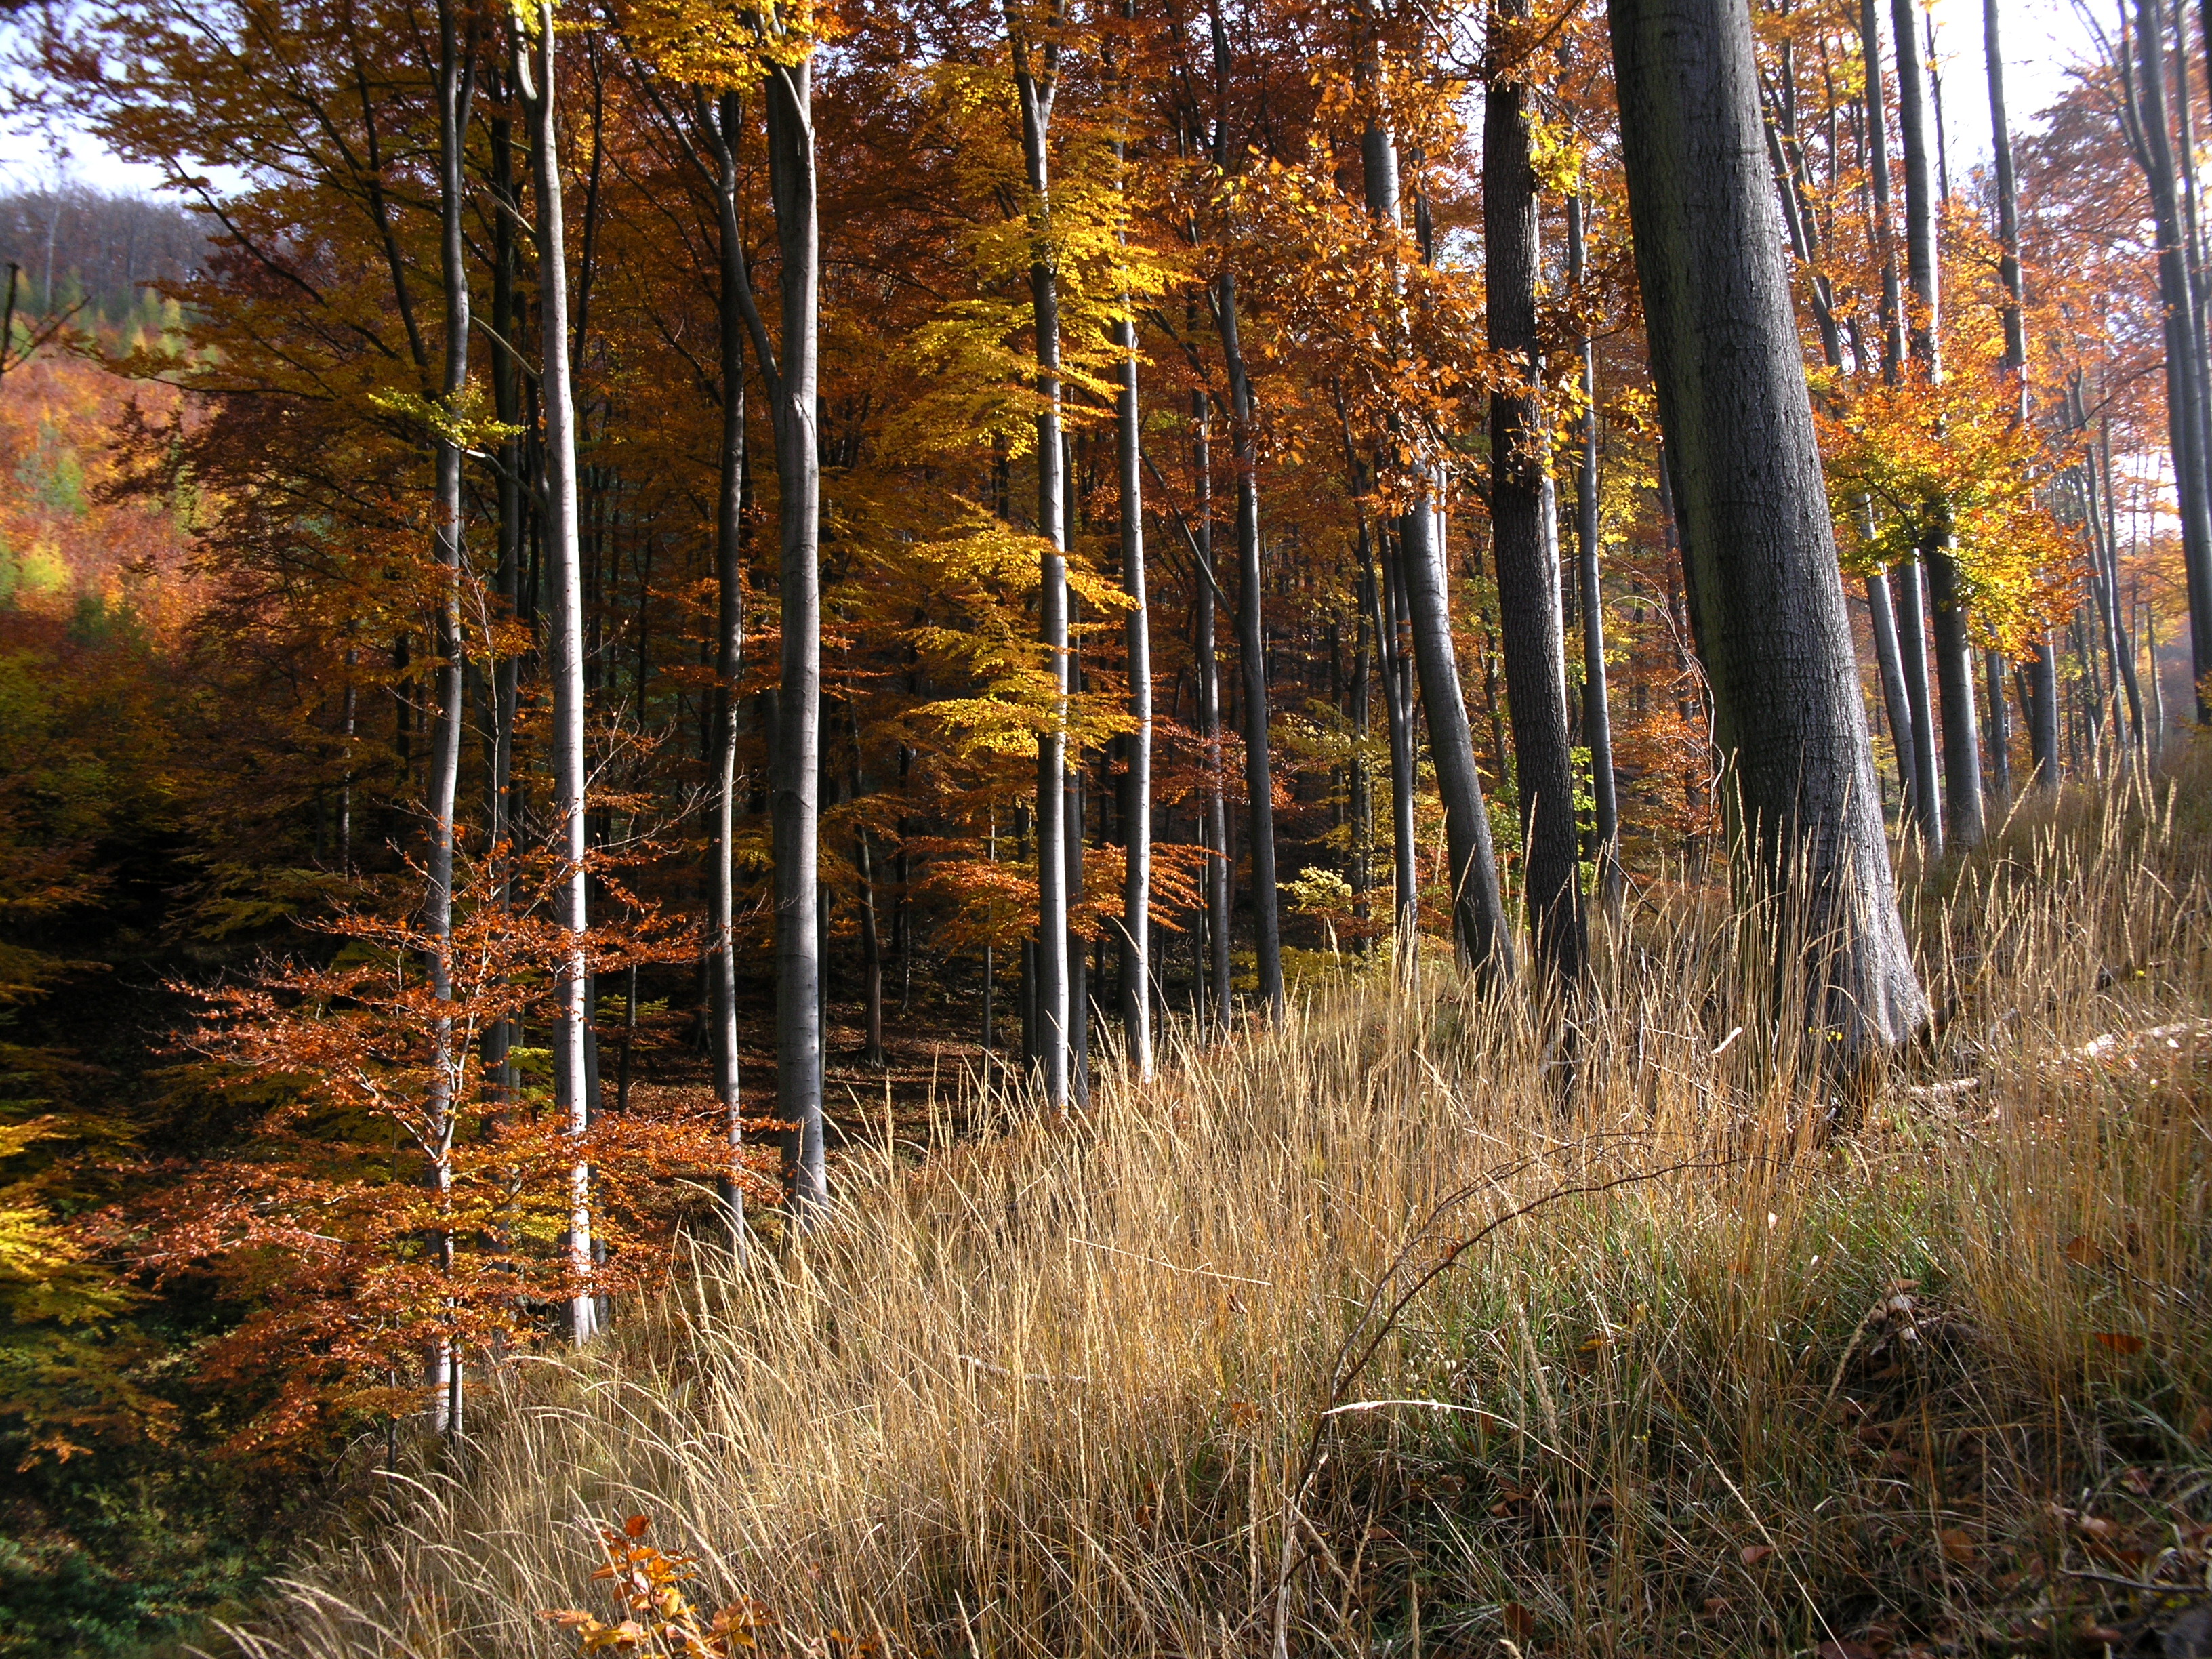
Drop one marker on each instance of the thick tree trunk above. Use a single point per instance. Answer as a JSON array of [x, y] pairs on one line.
[[1954, 660], [564, 569], [1528, 580], [1597, 718], [1752, 503], [1036, 91]]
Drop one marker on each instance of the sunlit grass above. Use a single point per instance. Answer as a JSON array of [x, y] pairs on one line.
[[1925, 1368]]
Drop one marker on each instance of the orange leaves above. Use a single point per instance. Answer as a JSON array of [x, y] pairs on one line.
[[391, 1193], [660, 1618]]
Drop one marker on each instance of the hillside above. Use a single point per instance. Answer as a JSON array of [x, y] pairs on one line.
[[1410, 1329]]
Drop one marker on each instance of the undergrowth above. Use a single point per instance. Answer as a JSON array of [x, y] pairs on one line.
[[1720, 1362]]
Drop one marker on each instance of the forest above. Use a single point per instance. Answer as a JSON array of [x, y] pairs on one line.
[[1048, 827]]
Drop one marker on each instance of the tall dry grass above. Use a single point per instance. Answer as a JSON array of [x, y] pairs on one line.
[[1084, 1388]]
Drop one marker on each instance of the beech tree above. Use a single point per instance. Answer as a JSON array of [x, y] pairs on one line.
[[1524, 544], [1758, 542]]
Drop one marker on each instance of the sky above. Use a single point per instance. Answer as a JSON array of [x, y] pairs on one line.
[[2041, 39]]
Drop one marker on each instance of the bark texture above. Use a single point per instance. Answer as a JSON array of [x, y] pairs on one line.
[[564, 580], [1527, 578], [1751, 501]]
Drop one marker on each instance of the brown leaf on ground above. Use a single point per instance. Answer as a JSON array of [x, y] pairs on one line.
[[1751, 1554]]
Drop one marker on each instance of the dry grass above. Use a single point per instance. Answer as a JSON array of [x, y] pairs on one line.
[[1057, 1390]]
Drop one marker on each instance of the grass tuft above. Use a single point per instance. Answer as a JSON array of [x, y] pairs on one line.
[[1931, 1376]]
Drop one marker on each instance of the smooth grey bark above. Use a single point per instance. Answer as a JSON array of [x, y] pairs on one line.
[[1963, 815], [1215, 830], [1897, 706], [719, 125], [1387, 590], [2043, 722], [456, 85], [1527, 580], [1251, 620], [1478, 912], [1137, 780], [1922, 801], [1136, 785], [1597, 718], [1751, 505], [2184, 391], [1251, 640], [564, 580], [796, 755], [1036, 81], [1915, 735], [505, 676], [1078, 951], [1379, 597]]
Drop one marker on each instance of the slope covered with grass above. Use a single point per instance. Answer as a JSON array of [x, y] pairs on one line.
[[1757, 1367]]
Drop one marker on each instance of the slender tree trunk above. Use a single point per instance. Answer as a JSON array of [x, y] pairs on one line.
[[2043, 724], [1751, 501], [1528, 580], [456, 84], [1079, 960], [1597, 719], [1251, 639], [1251, 623], [1036, 90], [1955, 662], [1386, 590], [795, 786], [1897, 705], [1137, 781], [2184, 391], [721, 127], [1216, 827], [1914, 734], [571, 1091]]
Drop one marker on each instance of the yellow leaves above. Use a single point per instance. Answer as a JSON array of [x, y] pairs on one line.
[[1950, 461]]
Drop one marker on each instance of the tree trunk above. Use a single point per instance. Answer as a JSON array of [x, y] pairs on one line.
[[1528, 582], [2184, 391], [1137, 780], [721, 129], [456, 84], [1215, 830], [795, 784], [1897, 705], [1036, 91], [2015, 331], [1251, 640], [1752, 503], [1597, 719], [1385, 589], [571, 1089], [1955, 661]]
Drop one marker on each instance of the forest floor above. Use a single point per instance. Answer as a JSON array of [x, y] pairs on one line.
[[1437, 1323]]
